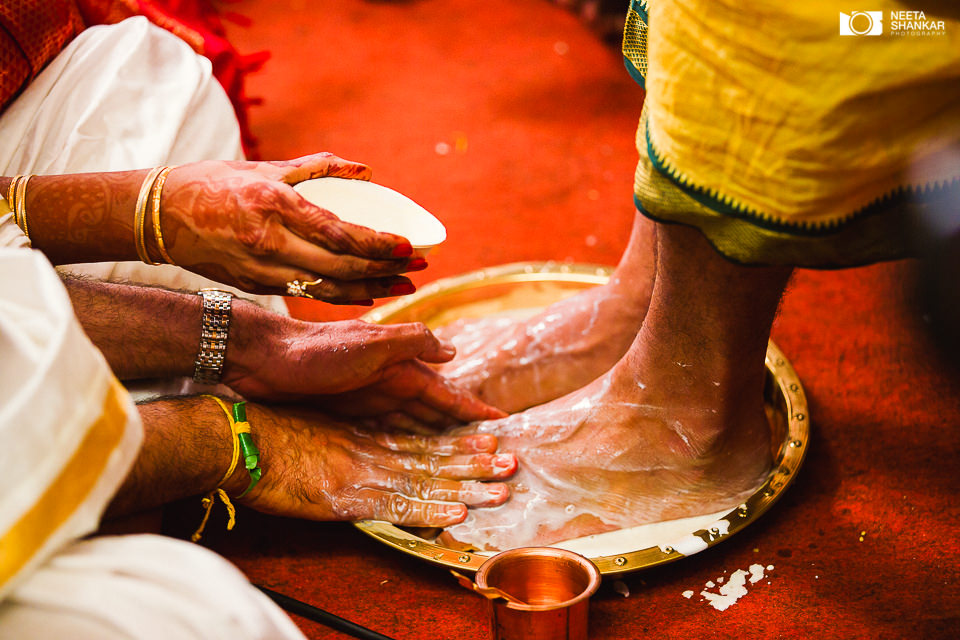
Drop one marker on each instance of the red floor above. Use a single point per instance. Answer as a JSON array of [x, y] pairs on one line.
[[536, 118]]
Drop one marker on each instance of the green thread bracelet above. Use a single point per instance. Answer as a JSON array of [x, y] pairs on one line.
[[249, 451]]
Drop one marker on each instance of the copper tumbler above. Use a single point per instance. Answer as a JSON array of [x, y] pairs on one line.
[[555, 586]]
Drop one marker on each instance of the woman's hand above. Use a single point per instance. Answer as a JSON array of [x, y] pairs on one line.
[[318, 469], [241, 223]]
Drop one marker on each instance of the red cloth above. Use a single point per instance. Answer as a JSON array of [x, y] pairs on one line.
[[33, 32]]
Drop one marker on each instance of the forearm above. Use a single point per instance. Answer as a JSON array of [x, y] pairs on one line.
[[149, 332], [144, 332], [187, 448], [84, 217]]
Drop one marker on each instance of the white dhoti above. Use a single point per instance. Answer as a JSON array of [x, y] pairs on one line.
[[70, 434], [144, 587], [120, 97]]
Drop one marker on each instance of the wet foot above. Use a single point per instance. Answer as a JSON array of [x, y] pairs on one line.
[[514, 363], [676, 428], [620, 453]]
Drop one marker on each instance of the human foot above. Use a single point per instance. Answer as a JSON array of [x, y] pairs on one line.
[[677, 427], [615, 455], [515, 364]]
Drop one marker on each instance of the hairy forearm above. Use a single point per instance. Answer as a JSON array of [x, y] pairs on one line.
[[149, 332], [144, 332], [186, 450]]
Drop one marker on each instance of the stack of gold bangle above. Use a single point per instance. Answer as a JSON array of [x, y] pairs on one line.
[[150, 192], [17, 199]]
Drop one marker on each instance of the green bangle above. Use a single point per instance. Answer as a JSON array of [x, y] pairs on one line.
[[249, 451]]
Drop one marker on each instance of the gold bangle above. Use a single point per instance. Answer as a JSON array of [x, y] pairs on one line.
[[139, 241], [21, 204], [11, 189], [155, 212], [12, 198]]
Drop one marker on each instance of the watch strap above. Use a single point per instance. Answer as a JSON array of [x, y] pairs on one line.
[[214, 332]]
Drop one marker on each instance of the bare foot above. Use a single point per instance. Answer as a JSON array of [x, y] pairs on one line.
[[676, 428], [515, 364], [618, 454]]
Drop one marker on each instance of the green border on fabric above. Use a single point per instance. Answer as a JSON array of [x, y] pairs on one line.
[[634, 73], [804, 252], [640, 8], [890, 200]]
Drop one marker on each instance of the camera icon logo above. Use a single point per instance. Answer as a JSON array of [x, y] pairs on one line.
[[861, 23]]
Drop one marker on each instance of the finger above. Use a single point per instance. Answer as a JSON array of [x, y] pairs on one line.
[[299, 252], [403, 510], [438, 351], [426, 415], [333, 290], [438, 445], [481, 466], [268, 278], [470, 493], [420, 343], [400, 421], [396, 344], [439, 393], [321, 227], [319, 165]]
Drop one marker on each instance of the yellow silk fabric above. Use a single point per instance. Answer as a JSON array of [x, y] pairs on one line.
[[767, 107], [768, 116]]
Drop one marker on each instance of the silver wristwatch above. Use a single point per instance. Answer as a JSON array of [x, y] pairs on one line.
[[214, 331]]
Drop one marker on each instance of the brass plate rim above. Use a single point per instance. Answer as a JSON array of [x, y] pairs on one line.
[[783, 472]]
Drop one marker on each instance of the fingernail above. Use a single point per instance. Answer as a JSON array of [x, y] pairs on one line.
[[482, 443], [363, 303], [497, 491], [403, 250], [484, 494], [447, 348], [402, 289], [504, 462], [455, 511], [417, 264]]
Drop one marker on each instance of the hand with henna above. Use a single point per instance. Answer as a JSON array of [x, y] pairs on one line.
[[318, 469], [313, 466], [239, 223]]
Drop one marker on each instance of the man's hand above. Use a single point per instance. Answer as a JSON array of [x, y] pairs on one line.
[[313, 467], [413, 397], [352, 368], [319, 469]]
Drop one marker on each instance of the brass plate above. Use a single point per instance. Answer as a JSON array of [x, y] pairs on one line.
[[533, 285]]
